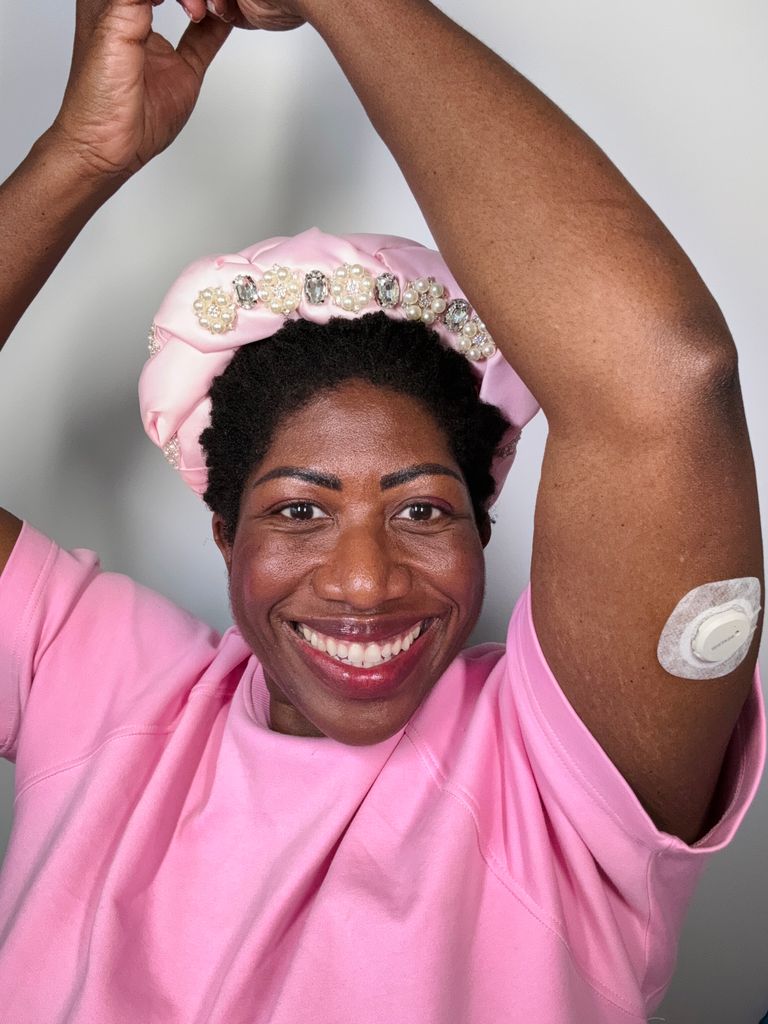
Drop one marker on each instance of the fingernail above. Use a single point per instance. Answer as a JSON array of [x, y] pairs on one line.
[[189, 13]]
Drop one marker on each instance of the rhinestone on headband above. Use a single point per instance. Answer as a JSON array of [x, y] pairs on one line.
[[316, 287], [351, 287], [456, 315], [246, 291], [387, 291]]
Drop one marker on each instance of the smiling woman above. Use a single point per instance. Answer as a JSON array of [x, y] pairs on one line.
[[349, 463], [335, 811]]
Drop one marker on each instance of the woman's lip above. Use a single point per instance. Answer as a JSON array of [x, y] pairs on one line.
[[360, 631], [359, 683]]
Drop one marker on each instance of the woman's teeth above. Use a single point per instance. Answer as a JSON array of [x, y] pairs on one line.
[[360, 655]]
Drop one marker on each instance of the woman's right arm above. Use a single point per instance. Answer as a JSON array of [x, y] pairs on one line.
[[43, 207], [128, 96]]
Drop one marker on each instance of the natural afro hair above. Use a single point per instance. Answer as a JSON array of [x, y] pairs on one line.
[[268, 380]]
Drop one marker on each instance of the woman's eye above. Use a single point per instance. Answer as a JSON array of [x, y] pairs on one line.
[[420, 512], [302, 510]]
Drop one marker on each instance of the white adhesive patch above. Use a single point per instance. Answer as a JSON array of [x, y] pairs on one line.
[[710, 631]]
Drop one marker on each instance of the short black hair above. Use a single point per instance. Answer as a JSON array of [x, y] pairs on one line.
[[268, 380]]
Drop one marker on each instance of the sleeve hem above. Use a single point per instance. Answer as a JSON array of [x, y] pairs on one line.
[[585, 760]]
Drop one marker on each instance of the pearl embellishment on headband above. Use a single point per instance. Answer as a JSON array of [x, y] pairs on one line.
[[215, 310], [423, 300], [172, 452], [350, 287], [280, 289], [475, 341], [154, 345]]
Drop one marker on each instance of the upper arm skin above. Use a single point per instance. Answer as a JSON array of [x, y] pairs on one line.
[[628, 520], [10, 528]]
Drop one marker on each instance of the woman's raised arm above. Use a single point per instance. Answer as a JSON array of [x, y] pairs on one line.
[[128, 96], [647, 489]]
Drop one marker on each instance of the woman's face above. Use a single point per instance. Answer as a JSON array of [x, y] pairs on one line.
[[356, 573]]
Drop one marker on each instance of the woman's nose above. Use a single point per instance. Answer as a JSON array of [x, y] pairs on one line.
[[362, 570]]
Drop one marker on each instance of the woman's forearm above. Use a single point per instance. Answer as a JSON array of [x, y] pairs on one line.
[[129, 94], [43, 207], [584, 289]]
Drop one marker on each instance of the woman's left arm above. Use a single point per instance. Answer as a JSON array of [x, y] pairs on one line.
[[648, 486]]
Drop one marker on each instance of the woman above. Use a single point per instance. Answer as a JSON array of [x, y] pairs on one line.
[[218, 829]]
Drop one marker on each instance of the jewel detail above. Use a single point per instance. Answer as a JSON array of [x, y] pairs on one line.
[[352, 287], [215, 310], [316, 287], [280, 288], [476, 342], [172, 452], [246, 291], [154, 344], [456, 315], [506, 450], [387, 290], [424, 300]]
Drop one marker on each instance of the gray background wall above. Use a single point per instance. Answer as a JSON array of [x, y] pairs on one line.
[[674, 92]]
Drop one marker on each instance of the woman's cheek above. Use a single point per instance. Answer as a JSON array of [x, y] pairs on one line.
[[268, 564]]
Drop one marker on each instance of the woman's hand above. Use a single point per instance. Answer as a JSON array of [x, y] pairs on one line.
[[278, 16], [130, 92]]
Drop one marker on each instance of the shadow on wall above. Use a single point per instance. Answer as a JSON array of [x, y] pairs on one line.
[[94, 446]]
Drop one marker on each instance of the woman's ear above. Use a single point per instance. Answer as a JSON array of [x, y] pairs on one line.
[[220, 536]]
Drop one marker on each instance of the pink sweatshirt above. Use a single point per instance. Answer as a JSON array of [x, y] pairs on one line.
[[174, 861]]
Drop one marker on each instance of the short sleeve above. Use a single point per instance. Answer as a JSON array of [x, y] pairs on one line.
[[646, 876], [85, 652]]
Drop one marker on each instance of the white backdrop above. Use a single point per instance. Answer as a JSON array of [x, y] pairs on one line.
[[674, 93]]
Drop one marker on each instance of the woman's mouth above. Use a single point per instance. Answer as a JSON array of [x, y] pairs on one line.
[[359, 668], [361, 655]]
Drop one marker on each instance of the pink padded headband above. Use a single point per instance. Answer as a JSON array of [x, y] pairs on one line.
[[222, 302]]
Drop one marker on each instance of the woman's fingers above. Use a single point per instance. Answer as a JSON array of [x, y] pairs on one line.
[[274, 15], [225, 10], [201, 42]]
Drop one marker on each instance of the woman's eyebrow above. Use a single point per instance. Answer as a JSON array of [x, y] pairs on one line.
[[310, 476], [402, 476]]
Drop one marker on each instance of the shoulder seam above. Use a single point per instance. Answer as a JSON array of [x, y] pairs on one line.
[[64, 766]]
